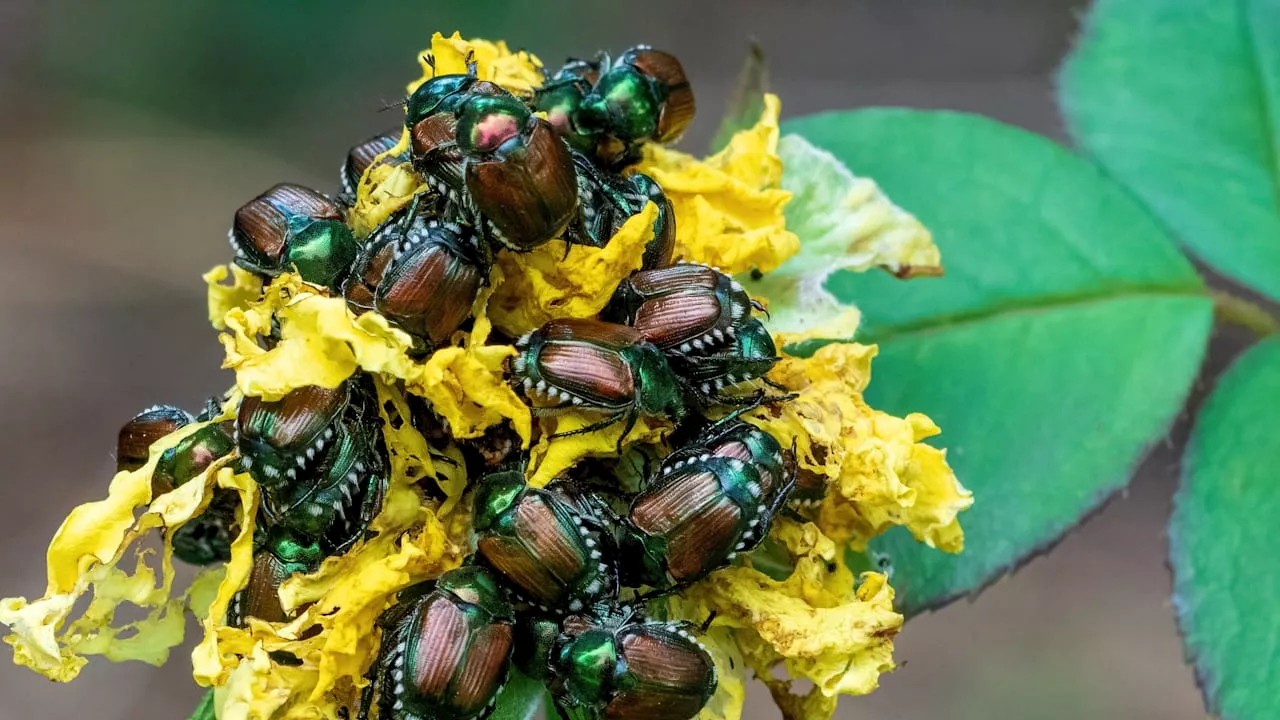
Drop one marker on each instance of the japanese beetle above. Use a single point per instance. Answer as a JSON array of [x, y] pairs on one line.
[[751, 355], [133, 446], [686, 308], [206, 538], [360, 157], [278, 554], [594, 365], [707, 504], [429, 280], [554, 556], [503, 169], [280, 440], [642, 96], [607, 201], [561, 97], [290, 227], [446, 650], [624, 668], [337, 500]]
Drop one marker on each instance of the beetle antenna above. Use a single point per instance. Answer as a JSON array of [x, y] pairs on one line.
[[473, 69], [430, 60], [706, 624]]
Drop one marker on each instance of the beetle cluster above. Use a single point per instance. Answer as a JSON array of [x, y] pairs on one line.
[[562, 576]]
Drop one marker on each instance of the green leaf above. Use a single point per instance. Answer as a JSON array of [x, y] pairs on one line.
[[1223, 539], [205, 710], [746, 104], [520, 699], [1179, 100], [1059, 345], [844, 222]]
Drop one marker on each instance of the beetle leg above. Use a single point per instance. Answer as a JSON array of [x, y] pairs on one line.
[[589, 428], [632, 416]]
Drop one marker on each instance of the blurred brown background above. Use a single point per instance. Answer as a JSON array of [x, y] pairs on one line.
[[131, 130]]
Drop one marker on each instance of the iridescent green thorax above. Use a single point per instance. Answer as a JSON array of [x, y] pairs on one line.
[[752, 355], [191, 456], [659, 392], [438, 95], [291, 227], [489, 124], [589, 663], [321, 251], [624, 104]]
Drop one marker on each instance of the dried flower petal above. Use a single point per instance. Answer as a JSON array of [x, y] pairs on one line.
[[878, 471], [323, 343], [729, 207], [553, 281]]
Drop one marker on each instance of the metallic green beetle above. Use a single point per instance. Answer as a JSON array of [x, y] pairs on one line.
[[685, 309], [578, 363], [290, 227], [606, 201], [206, 538], [277, 555], [446, 649], [610, 664], [320, 471], [502, 168], [608, 109], [751, 355], [555, 556], [711, 500]]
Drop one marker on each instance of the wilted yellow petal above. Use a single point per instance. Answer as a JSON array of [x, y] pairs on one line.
[[729, 207], [731, 674], [323, 343], [245, 288], [85, 556], [549, 283], [552, 456], [519, 72], [878, 471], [388, 184], [818, 623]]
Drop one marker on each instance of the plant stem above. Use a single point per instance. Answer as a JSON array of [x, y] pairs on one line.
[[1246, 314]]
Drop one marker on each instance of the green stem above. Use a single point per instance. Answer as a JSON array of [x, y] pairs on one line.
[[204, 711], [1246, 314]]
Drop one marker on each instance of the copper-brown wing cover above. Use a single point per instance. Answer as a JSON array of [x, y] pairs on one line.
[[136, 436], [529, 193], [590, 372], [434, 142], [672, 677], [702, 543], [677, 278], [662, 509], [513, 560], [296, 417], [429, 292], [553, 542], [261, 598], [484, 669], [670, 320], [439, 639], [596, 332]]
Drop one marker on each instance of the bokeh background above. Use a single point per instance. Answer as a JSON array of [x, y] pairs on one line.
[[131, 130]]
